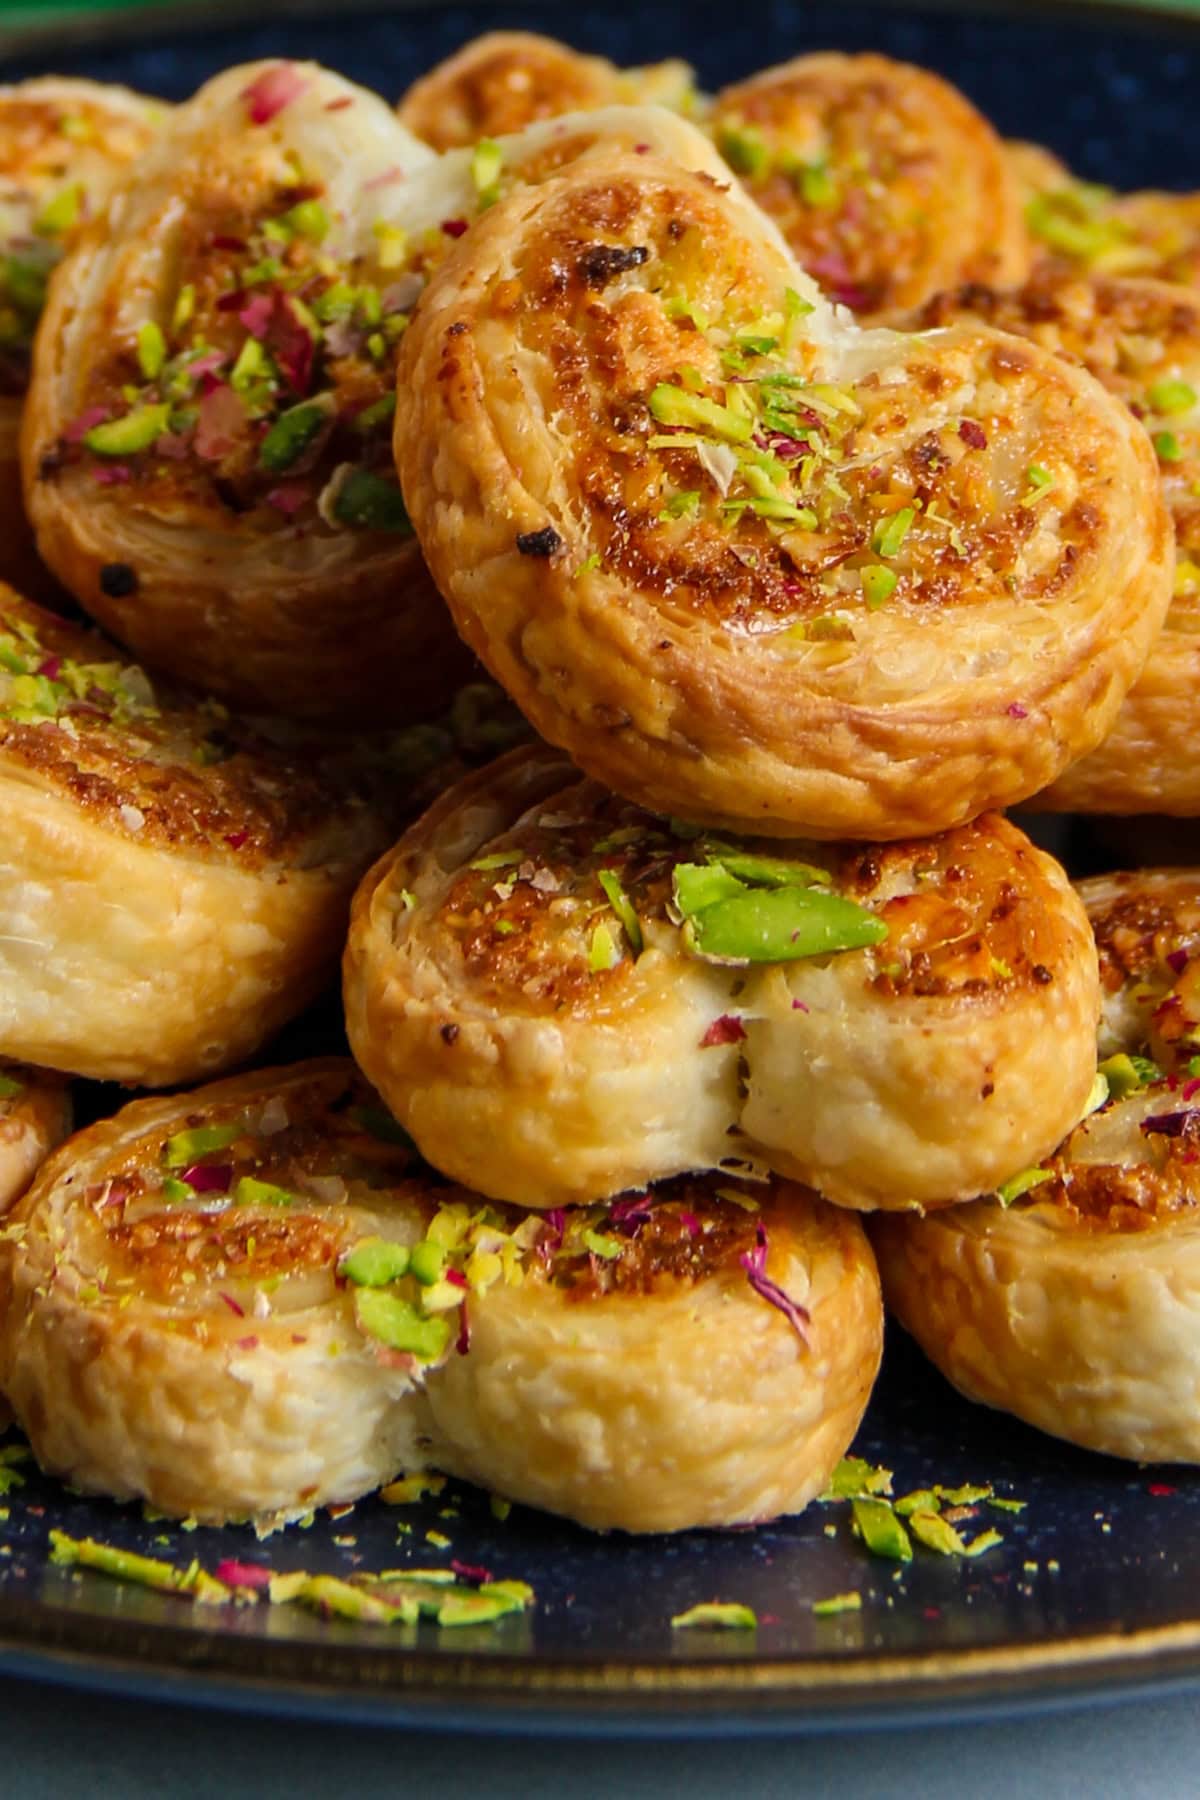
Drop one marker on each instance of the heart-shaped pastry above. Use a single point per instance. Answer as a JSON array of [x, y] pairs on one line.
[[752, 565], [561, 996]]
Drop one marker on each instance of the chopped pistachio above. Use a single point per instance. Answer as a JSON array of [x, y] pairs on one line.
[[1097, 1094], [371, 503], [1171, 396], [1037, 476], [745, 150], [681, 505], [1016, 1185], [768, 871], [674, 406], [487, 164], [398, 1325], [837, 1603], [722, 1615], [151, 349], [186, 1146], [1122, 1076], [881, 1531], [781, 925], [855, 1476], [252, 1192], [427, 1262], [176, 1192], [60, 213], [10, 1087], [878, 584], [936, 1533], [291, 434], [621, 904], [411, 1488], [816, 185], [696, 886], [891, 532], [601, 1245], [920, 1500], [374, 1262], [1168, 446], [126, 437], [602, 951], [185, 306], [308, 219]]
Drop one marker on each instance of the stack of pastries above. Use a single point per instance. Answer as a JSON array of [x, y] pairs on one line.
[[813, 481]]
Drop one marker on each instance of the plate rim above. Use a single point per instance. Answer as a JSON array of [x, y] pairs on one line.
[[387, 1684]]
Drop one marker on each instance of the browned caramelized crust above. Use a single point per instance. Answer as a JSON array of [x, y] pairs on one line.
[[212, 408], [77, 718], [253, 1299], [533, 982], [1142, 340], [782, 578], [885, 180], [506, 80]]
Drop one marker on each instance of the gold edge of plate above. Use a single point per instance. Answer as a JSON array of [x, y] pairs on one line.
[[381, 1673]]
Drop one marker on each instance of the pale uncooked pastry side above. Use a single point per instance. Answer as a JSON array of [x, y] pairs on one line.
[[172, 889], [693, 1404], [710, 1369], [502, 82], [887, 183], [35, 1117], [778, 643], [483, 1006], [1077, 1307]]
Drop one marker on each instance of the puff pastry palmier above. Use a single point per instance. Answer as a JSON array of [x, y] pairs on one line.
[[746, 563], [211, 405], [537, 985], [885, 180], [172, 887], [63, 144], [505, 80], [1072, 1299], [214, 391], [1142, 340], [35, 1116], [250, 1300], [1082, 226]]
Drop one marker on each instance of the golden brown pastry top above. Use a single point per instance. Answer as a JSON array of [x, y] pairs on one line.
[[551, 914], [62, 146], [1142, 340], [882, 177], [274, 1178], [505, 80], [82, 720], [1135, 1161]]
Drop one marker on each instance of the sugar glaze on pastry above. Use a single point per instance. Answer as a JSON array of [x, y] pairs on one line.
[[535, 986], [250, 1300], [1076, 1306], [744, 562]]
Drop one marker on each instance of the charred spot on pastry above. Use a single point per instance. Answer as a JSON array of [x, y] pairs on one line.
[[603, 262], [51, 461], [449, 1034], [118, 581], [1042, 975], [539, 543]]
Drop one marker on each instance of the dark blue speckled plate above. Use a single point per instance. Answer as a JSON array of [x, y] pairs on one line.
[[1095, 1590]]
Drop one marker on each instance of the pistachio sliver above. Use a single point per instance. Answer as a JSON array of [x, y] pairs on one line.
[[374, 1262], [370, 503], [623, 906], [291, 434], [398, 1325], [125, 437], [696, 886], [769, 871], [783, 924], [675, 406]]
